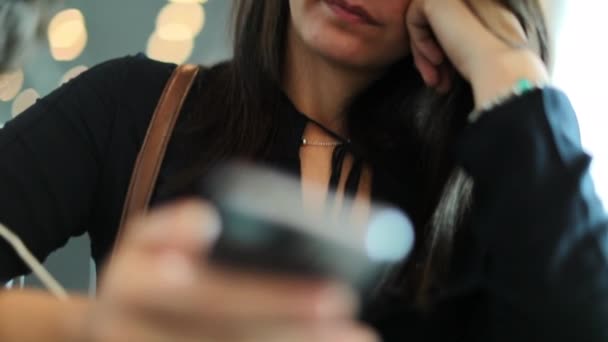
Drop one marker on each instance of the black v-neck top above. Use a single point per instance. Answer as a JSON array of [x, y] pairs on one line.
[[534, 266]]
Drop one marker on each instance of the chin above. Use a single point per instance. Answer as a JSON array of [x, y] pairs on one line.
[[346, 44], [348, 47], [352, 52]]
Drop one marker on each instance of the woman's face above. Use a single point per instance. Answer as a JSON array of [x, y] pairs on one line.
[[354, 33]]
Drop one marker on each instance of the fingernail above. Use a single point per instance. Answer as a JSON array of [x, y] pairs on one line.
[[176, 270], [339, 300], [154, 228], [199, 221]]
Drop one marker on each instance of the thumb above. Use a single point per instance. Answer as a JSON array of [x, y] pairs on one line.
[[188, 227]]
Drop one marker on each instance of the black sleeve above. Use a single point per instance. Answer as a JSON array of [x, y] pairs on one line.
[[540, 222], [50, 162]]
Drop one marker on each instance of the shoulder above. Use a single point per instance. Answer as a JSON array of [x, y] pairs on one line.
[[131, 86], [98, 94], [142, 80], [129, 69], [145, 73], [134, 74], [112, 85]]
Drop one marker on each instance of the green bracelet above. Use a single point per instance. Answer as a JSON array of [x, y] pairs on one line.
[[523, 86]]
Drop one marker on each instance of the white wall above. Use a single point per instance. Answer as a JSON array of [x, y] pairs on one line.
[[582, 71]]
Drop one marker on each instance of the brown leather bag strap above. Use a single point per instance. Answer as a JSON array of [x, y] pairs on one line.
[[151, 155]]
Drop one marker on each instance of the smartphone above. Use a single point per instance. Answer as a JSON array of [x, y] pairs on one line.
[[266, 227]]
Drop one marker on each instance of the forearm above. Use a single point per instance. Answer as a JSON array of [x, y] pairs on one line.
[[492, 79], [540, 221], [35, 316]]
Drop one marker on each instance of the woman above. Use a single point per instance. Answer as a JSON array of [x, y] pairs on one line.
[[389, 85]]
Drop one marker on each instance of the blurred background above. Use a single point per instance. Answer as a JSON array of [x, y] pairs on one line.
[[86, 32]]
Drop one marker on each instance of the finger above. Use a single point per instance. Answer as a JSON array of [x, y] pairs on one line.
[[446, 72], [189, 227], [427, 54], [143, 280], [171, 285], [128, 329], [327, 333], [416, 19], [423, 40], [421, 35], [269, 297], [427, 70], [431, 50], [123, 328], [330, 331]]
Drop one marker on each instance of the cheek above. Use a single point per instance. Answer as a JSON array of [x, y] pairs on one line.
[[394, 43], [352, 45], [393, 16]]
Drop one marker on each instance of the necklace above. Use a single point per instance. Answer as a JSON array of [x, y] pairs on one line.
[[306, 142]]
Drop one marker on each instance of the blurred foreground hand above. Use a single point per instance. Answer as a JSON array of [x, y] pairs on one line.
[[159, 287]]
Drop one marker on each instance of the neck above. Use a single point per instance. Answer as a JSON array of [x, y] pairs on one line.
[[318, 87]]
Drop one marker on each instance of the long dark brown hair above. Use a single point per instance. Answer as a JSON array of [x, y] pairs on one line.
[[412, 129]]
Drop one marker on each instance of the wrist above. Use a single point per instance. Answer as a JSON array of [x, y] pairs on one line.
[[35, 316], [498, 75], [74, 325]]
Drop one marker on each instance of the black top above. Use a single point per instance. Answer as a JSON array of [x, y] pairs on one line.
[[535, 266]]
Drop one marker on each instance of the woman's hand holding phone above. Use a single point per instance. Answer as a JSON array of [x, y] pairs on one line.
[[158, 288]]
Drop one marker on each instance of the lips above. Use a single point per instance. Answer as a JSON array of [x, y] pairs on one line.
[[352, 12]]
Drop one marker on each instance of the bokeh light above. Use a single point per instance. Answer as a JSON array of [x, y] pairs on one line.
[[72, 73], [169, 51], [180, 21], [188, 1], [10, 84], [390, 236], [67, 35], [177, 25], [24, 101]]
